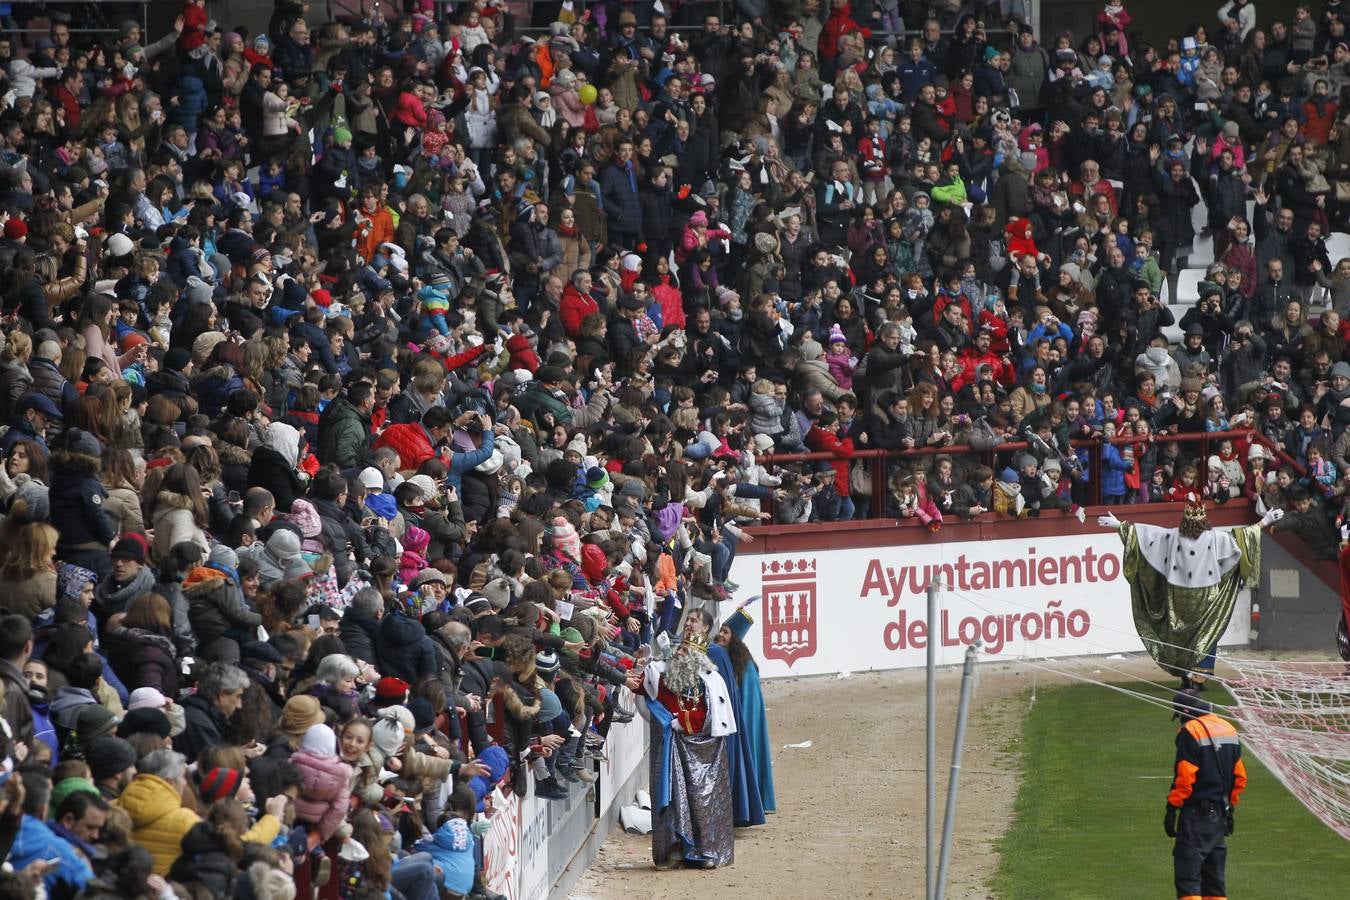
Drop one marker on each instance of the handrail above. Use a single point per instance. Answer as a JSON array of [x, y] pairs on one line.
[[878, 457]]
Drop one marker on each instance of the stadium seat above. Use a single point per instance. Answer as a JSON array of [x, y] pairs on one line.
[[1188, 288], [1338, 246]]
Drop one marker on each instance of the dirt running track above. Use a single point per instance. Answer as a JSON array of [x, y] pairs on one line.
[[851, 807]]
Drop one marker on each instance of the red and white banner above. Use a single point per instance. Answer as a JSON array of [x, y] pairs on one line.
[[853, 610]]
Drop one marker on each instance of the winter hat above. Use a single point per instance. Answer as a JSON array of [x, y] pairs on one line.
[[204, 344], [546, 663], [837, 335], [698, 219], [498, 593], [16, 229], [319, 740], [424, 485], [597, 479], [416, 539], [71, 579], [388, 736], [35, 495], [300, 713], [390, 690], [565, 538], [129, 547], [631, 262], [341, 135], [219, 784], [146, 698], [177, 359], [67, 786], [109, 756], [765, 243], [372, 479], [197, 291], [1215, 463], [577, 445], [222, 556], [145, 721], [430, 576], [77, 440], [1340, 370], [120, 245], [94, 720], [306, 518], [1007, 476]]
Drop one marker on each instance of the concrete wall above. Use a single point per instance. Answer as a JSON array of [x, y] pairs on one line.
[[1299, 603]]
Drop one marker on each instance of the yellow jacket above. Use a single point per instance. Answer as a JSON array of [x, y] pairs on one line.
[[158, 818]]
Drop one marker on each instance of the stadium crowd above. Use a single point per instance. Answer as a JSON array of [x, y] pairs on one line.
[[364, 377]]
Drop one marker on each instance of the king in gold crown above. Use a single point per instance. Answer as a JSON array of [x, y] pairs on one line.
[[697, 642], [1194, 521]]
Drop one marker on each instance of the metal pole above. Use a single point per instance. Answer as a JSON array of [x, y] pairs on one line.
[[930, 724], [949, 820]]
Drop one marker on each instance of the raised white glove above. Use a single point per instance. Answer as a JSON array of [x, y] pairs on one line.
[[1272, 517], [1108, 521], [498, 346]]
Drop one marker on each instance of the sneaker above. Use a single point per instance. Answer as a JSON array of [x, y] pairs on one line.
[[730, 585], [587, 775], [569, 773], [540, 768]]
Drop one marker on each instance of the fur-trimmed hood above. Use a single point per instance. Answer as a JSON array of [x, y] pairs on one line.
[[172, 500], [74, 462], [230, 455]]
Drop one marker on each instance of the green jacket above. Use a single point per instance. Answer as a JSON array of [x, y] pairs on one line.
[[344, 434], [538, 399]]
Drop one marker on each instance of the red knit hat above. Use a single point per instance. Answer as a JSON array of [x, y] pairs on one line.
[[220, 784], [16, 229], [391, 688]]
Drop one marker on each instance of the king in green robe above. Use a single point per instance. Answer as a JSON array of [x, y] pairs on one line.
[[1183, 584]]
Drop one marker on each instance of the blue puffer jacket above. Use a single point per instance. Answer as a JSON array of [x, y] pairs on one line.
[[37, 841], [214, 387], [192, 99], [452, 849], [1114, 467]]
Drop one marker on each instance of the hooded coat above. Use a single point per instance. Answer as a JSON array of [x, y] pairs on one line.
[[274, 465], [173, 523], [216, 606], [404, 649], [325, 791], [159, 821]]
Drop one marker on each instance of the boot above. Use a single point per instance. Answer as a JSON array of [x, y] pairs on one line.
[[549, 789]]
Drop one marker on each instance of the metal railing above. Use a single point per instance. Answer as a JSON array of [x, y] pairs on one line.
[[880, 461]]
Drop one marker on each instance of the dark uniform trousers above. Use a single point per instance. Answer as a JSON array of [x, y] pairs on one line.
[[1200, 851]]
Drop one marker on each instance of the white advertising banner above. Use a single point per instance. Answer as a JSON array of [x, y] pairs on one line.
[[832, 611]]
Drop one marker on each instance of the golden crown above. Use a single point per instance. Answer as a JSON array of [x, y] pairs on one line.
[[696, 641]]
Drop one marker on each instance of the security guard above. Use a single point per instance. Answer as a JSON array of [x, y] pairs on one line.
[[1209, 779]]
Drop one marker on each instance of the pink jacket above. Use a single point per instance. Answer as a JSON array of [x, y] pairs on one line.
[[325, 793], [568, 105], [691, 240]]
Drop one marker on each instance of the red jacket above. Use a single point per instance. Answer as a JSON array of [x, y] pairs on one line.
[[522, 354], [412, 442], [71, 104], [837, 25], [822, 441], [574, 307], [672, 302]]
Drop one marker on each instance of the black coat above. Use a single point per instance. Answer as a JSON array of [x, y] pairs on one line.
[[269, 469], [206, 726], [77, 504], [205, 862], [359, 633], [404, 649]]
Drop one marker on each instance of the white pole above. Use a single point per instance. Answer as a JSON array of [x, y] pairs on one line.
[[930, 808], [949, 820]]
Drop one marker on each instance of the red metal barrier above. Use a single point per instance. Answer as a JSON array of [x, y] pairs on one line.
[[878, 459]]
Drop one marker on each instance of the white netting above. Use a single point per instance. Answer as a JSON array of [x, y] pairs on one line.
[[1295, 716]]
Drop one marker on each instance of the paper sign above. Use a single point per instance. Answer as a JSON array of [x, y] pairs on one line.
[[564, 610]]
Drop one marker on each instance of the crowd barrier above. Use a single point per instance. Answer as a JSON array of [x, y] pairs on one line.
[[883, 463], [537, 848]]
